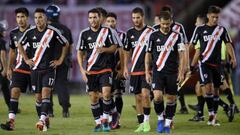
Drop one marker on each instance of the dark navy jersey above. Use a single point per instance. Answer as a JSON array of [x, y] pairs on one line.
[[2, 44], [138, 55], [178, 27], [42, 45], [210, 38], [15, 35], [87, 42], [122, 36], [65, 31], [157, 45]]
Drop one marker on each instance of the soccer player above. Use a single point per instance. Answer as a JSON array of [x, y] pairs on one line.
[[179, 28], [42, 40], [137, 40], [200, 20], [3, 67], [61, 82], [18, 71], [97, 44], [165, 54], [211, 35], [118, 81]]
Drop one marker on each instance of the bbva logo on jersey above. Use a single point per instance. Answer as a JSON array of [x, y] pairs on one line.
[[37, 44], [209, 37]]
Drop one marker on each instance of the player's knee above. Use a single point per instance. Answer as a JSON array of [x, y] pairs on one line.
[[15, 93], [171, 98]]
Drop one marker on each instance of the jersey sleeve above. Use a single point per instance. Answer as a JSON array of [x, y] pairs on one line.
[[182, 31], [150, 44], [195, 36], [225, 36], [24, 39], [111, 38], [81, 43], [2, 45], [11, 42], [116, 39], [128, 45], [181, 43], [60, 38]]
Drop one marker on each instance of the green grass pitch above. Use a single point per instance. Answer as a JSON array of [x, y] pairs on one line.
[[81, 121]]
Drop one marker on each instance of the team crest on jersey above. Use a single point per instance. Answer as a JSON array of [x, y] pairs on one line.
[[34, 38], [158, 40], [15, 37], [153, 85], [204, 32], [132, 37], [33, 87], [89, 38], [205, 75]]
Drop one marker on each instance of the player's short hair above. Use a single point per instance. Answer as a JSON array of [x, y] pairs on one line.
[[167, 8], [203, 17], [22, 10], [40, 10], [94, 10], [111, 14], [102, 11], [165, 15], [138, 10], [214, 9]]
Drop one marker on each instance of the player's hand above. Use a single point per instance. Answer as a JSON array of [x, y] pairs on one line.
[[29, 62], [180, 78], [9, 74], [148, 78], [4, 73], [125, 73], [84, 75], [100, 50], [233, 63], [119, 74], [55, 63]]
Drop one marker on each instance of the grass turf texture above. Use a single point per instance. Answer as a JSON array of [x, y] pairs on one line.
[[81, 121]]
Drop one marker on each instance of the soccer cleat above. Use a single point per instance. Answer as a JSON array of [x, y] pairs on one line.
[[115, 120], [160, 126], [193, 107], [9, 125], [231, 113], [183, 110], [210, 120], [140, 128], [146, 126], [167, 130], [197, 118], [98, 128], [41, 126], [65, 115], [105, 126]]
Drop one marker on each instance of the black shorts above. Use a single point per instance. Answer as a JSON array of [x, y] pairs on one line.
[[211, 74], [97, 81], [165, 82], [42, 78], [118, 84], [20, 80], [137, 82]]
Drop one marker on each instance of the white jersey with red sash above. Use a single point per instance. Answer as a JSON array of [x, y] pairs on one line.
[[99, 43], [142, 41]]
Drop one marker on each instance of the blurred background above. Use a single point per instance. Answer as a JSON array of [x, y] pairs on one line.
[[74, 15]]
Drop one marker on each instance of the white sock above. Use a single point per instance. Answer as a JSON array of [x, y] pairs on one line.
[[146, 117], [167, 122], [43, 118], [105, 116], [160, 117], [11, 116], [98, 121]]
